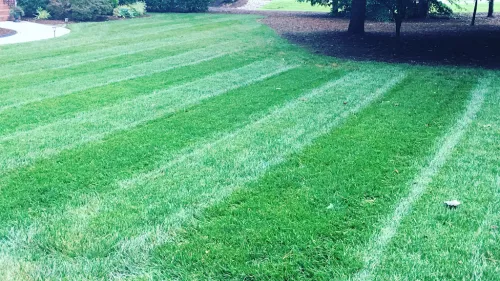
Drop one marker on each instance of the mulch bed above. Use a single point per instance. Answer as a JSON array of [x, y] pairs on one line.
[[6, 32], [429, 42]]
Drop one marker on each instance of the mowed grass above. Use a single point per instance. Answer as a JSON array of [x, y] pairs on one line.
[[204, 147], [468, 7], [294, 5]]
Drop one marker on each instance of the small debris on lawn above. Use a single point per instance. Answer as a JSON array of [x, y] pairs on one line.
[[370, 200], [452, 203], [329, 206], [345, 102]]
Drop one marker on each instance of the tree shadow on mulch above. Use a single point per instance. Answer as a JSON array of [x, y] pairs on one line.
[[430, 42]]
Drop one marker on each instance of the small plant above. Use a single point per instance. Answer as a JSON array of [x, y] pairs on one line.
[[123, 11], [139, 8], [130, 11], [30, 6], [42, 14], [16, 12]]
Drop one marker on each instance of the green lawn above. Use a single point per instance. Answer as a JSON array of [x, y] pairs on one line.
[[294, 5], [204, 147], [468, 8]]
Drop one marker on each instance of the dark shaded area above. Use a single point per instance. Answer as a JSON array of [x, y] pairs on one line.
[[431, 42], [6, 32], [469, 48]]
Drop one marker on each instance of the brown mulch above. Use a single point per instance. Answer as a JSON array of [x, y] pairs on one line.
[[429, 42], [4, 32]]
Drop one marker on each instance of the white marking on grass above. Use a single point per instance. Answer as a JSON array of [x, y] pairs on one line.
[[156, 22], [479, 261], [235, 159], [94, 41], [23, 96], [12, 266], [288, 108], [206, 173], [23, 147], [375, 250], [81, 58]]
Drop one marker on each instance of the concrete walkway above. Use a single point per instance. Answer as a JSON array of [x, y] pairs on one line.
[[254, 4], [29, 31]]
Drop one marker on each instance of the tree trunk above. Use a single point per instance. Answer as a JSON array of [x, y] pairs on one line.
[[423, 9], [399, 21], [358, 14], [399, 14], [490, 8], [474, 14]]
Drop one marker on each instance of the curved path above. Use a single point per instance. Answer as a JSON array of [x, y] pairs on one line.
[[254, 4], [29, 31]]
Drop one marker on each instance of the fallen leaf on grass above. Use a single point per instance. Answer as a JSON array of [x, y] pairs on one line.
[[452, 203]]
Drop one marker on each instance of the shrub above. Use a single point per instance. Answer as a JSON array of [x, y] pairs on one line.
[[183, 6], [130, 11], [439, 8], [139, 8], [86, 10], [30, 6], [42, 14], [80, 10], [59, 9], [123, 11], [16, 11], [126, 2]]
